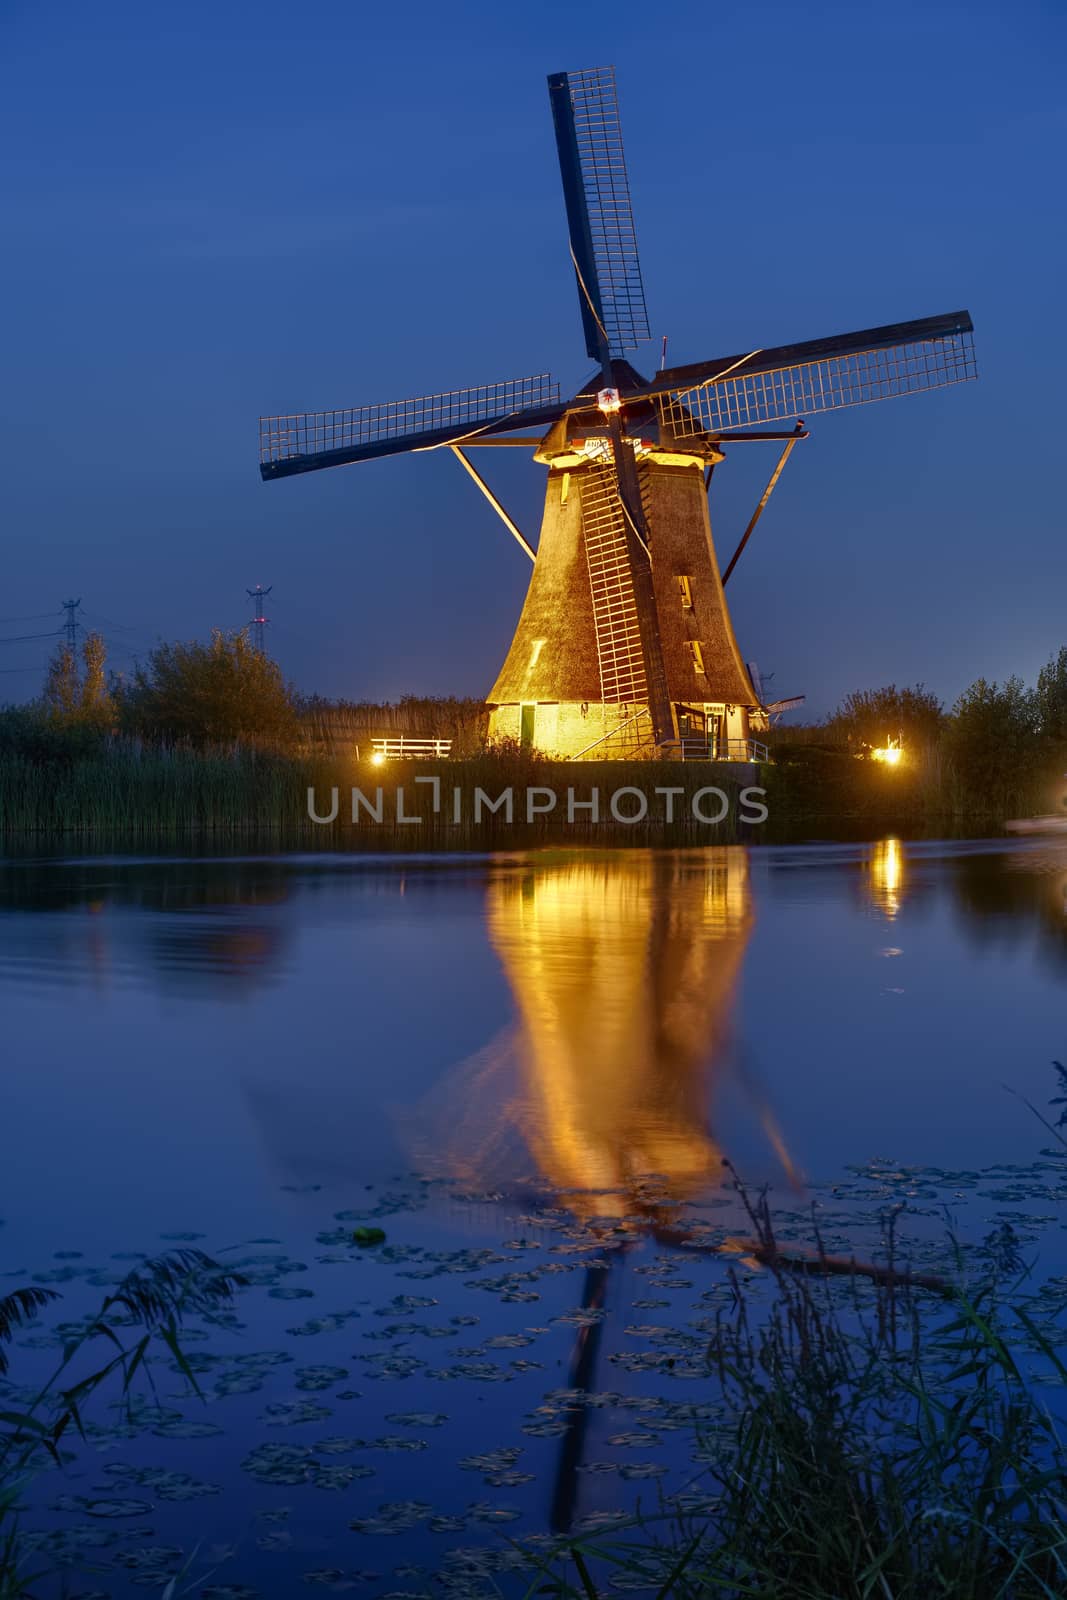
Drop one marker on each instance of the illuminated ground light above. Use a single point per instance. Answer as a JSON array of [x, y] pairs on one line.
[[890, 754]]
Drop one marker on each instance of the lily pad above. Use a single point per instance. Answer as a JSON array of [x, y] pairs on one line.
[[314, 1378]]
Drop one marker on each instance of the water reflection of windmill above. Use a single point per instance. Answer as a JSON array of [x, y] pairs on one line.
[[624, 973]]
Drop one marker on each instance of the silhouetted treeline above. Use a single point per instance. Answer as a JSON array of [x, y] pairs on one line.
[[194, 694], [1000, 752]]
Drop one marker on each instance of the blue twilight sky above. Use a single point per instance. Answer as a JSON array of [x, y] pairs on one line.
[[217, 210]]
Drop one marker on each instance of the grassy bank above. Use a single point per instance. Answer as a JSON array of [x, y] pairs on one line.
[[814, 786], [124, 790]]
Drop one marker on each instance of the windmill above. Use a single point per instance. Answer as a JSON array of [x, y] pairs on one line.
[[625, 640]]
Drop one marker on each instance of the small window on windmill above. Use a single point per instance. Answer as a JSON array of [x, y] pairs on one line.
[[697, 654], [685, 592]]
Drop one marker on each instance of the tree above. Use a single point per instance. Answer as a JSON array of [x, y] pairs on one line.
[[96, 708], [874, 716], [991, 740], [79, 699], [212, 694], [62, 689], [1050, 702]]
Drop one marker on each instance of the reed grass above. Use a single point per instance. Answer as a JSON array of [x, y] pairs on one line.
[[57, 782], [883, 1443], [155, 1297], [334, 725], [849, 1471], [812, 781], [124, 790]]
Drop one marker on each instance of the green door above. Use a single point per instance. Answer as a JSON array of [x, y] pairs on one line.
[[526, 726]]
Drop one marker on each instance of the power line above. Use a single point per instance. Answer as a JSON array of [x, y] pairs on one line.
[[21, 638], [109, 622], [35, 616]]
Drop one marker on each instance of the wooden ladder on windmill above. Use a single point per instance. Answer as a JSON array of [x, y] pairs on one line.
[[618, 636]]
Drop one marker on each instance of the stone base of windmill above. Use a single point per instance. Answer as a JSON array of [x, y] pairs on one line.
[[569, 731]]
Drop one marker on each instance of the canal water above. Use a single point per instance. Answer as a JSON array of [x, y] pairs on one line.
[[539, 1076]]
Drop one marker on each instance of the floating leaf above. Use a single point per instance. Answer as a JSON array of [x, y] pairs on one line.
[[320, 1377], [293, 1413]]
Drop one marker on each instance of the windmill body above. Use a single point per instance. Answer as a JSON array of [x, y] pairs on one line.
[[625, 644], [574, 677]]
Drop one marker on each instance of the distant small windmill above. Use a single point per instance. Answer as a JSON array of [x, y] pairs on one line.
[[625, 639]]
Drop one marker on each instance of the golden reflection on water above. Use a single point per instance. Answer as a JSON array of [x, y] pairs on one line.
[[887, 876], [624, 971]]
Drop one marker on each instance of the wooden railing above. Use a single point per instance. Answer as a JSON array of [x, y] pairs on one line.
[[692, 747], [402, 748], [698, 747]]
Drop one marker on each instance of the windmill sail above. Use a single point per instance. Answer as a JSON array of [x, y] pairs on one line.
[[309, 440], [849, 369], [596, 189], [612, 299]]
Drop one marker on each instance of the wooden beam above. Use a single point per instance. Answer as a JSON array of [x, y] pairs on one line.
[[494, 502], [764, 497], [799, 432], [523, 439]]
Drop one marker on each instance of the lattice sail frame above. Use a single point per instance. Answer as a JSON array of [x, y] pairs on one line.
[[607, 198], [308, 433], [739, 400]]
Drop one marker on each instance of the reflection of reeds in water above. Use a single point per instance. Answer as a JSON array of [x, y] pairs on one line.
[[623, 969], [1015, 898]]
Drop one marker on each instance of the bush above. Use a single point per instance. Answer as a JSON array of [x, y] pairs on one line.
[[30, 733], [875, 716], [993, 744], [211, 694]]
